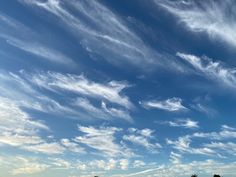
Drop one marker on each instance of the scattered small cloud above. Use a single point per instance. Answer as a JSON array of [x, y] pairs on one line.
[[171, 104]]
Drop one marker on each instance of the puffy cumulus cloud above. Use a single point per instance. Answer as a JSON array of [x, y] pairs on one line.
[[215, 18], [171, 104], [142, 138], [213, 70], [103, 140]]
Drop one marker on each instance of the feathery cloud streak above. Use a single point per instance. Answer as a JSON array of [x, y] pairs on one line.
[[101, 32], [171, 104], [215, 18], [213, 70]]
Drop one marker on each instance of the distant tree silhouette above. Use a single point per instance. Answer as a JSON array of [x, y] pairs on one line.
[[194, 175], [216, 176]]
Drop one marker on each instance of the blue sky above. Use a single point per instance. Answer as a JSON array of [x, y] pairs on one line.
[[117, 88]]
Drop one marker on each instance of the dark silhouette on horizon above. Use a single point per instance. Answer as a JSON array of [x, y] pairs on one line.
[[194, 175]]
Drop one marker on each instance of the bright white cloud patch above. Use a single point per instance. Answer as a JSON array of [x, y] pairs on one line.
[[171, 104], [213, 70], [215, 18], [110, 91]]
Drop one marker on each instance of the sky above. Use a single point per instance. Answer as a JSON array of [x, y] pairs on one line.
[[117, 88]]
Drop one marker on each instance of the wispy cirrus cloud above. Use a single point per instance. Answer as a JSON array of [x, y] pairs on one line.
[[185, 123], [89, 22], [183, 145], [102, 112], [41, 51], [204, 167], [22, 37], [103, 140], [214, 70], [215, 18], [172, 104], [113, 103], [226, 132], [142, 138], [215, 143], [110, 91]]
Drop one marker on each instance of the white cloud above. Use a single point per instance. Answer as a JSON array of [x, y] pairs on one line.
[[114, 112], [142, 138], [138, 163], [27, 166], [22, 37], [124, 163], [41, 51], [213, 70], [204, 168], [19, 140], [110, 91], [186, 123], [72, 146], [59, 163], [175, 158], [209, 148], [47, 148], [171, 104], [16, 121], [103, 140], [102, 112], [110, 164], [27, 96], [90, 28], [225, 133], [183, 145], [204, 109], [223, 147], [215, 18]]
